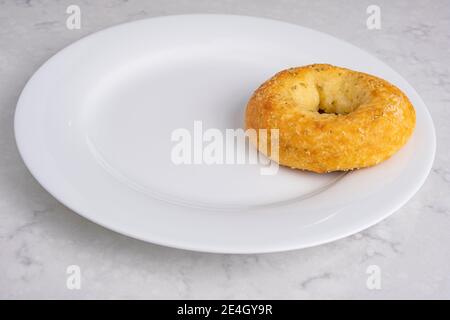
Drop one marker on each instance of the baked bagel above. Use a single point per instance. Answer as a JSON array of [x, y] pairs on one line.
[[331, 118]]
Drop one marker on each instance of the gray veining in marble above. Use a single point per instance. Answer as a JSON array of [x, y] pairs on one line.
[[39, 237]]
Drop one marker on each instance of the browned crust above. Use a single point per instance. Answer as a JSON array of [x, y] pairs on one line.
[[370, 134]]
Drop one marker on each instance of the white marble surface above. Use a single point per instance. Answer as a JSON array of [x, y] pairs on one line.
[[39, 237]]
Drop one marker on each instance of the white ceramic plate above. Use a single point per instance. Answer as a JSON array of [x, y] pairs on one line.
[[94, 127]]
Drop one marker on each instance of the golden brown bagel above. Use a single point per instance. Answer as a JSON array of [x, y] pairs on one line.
[[331, 118]]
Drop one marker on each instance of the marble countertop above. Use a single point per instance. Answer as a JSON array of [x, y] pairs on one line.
[[40, 238]]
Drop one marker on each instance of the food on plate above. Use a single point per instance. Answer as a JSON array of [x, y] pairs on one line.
[[331, 118]]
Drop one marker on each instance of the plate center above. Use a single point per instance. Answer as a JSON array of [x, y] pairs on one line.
[[133, 113]]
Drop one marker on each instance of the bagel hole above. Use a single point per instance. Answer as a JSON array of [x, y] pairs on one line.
[[331, 109], [335, 99], [331, 95]]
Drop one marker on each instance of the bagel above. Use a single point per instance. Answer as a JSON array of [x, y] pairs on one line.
[[331, 118]]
